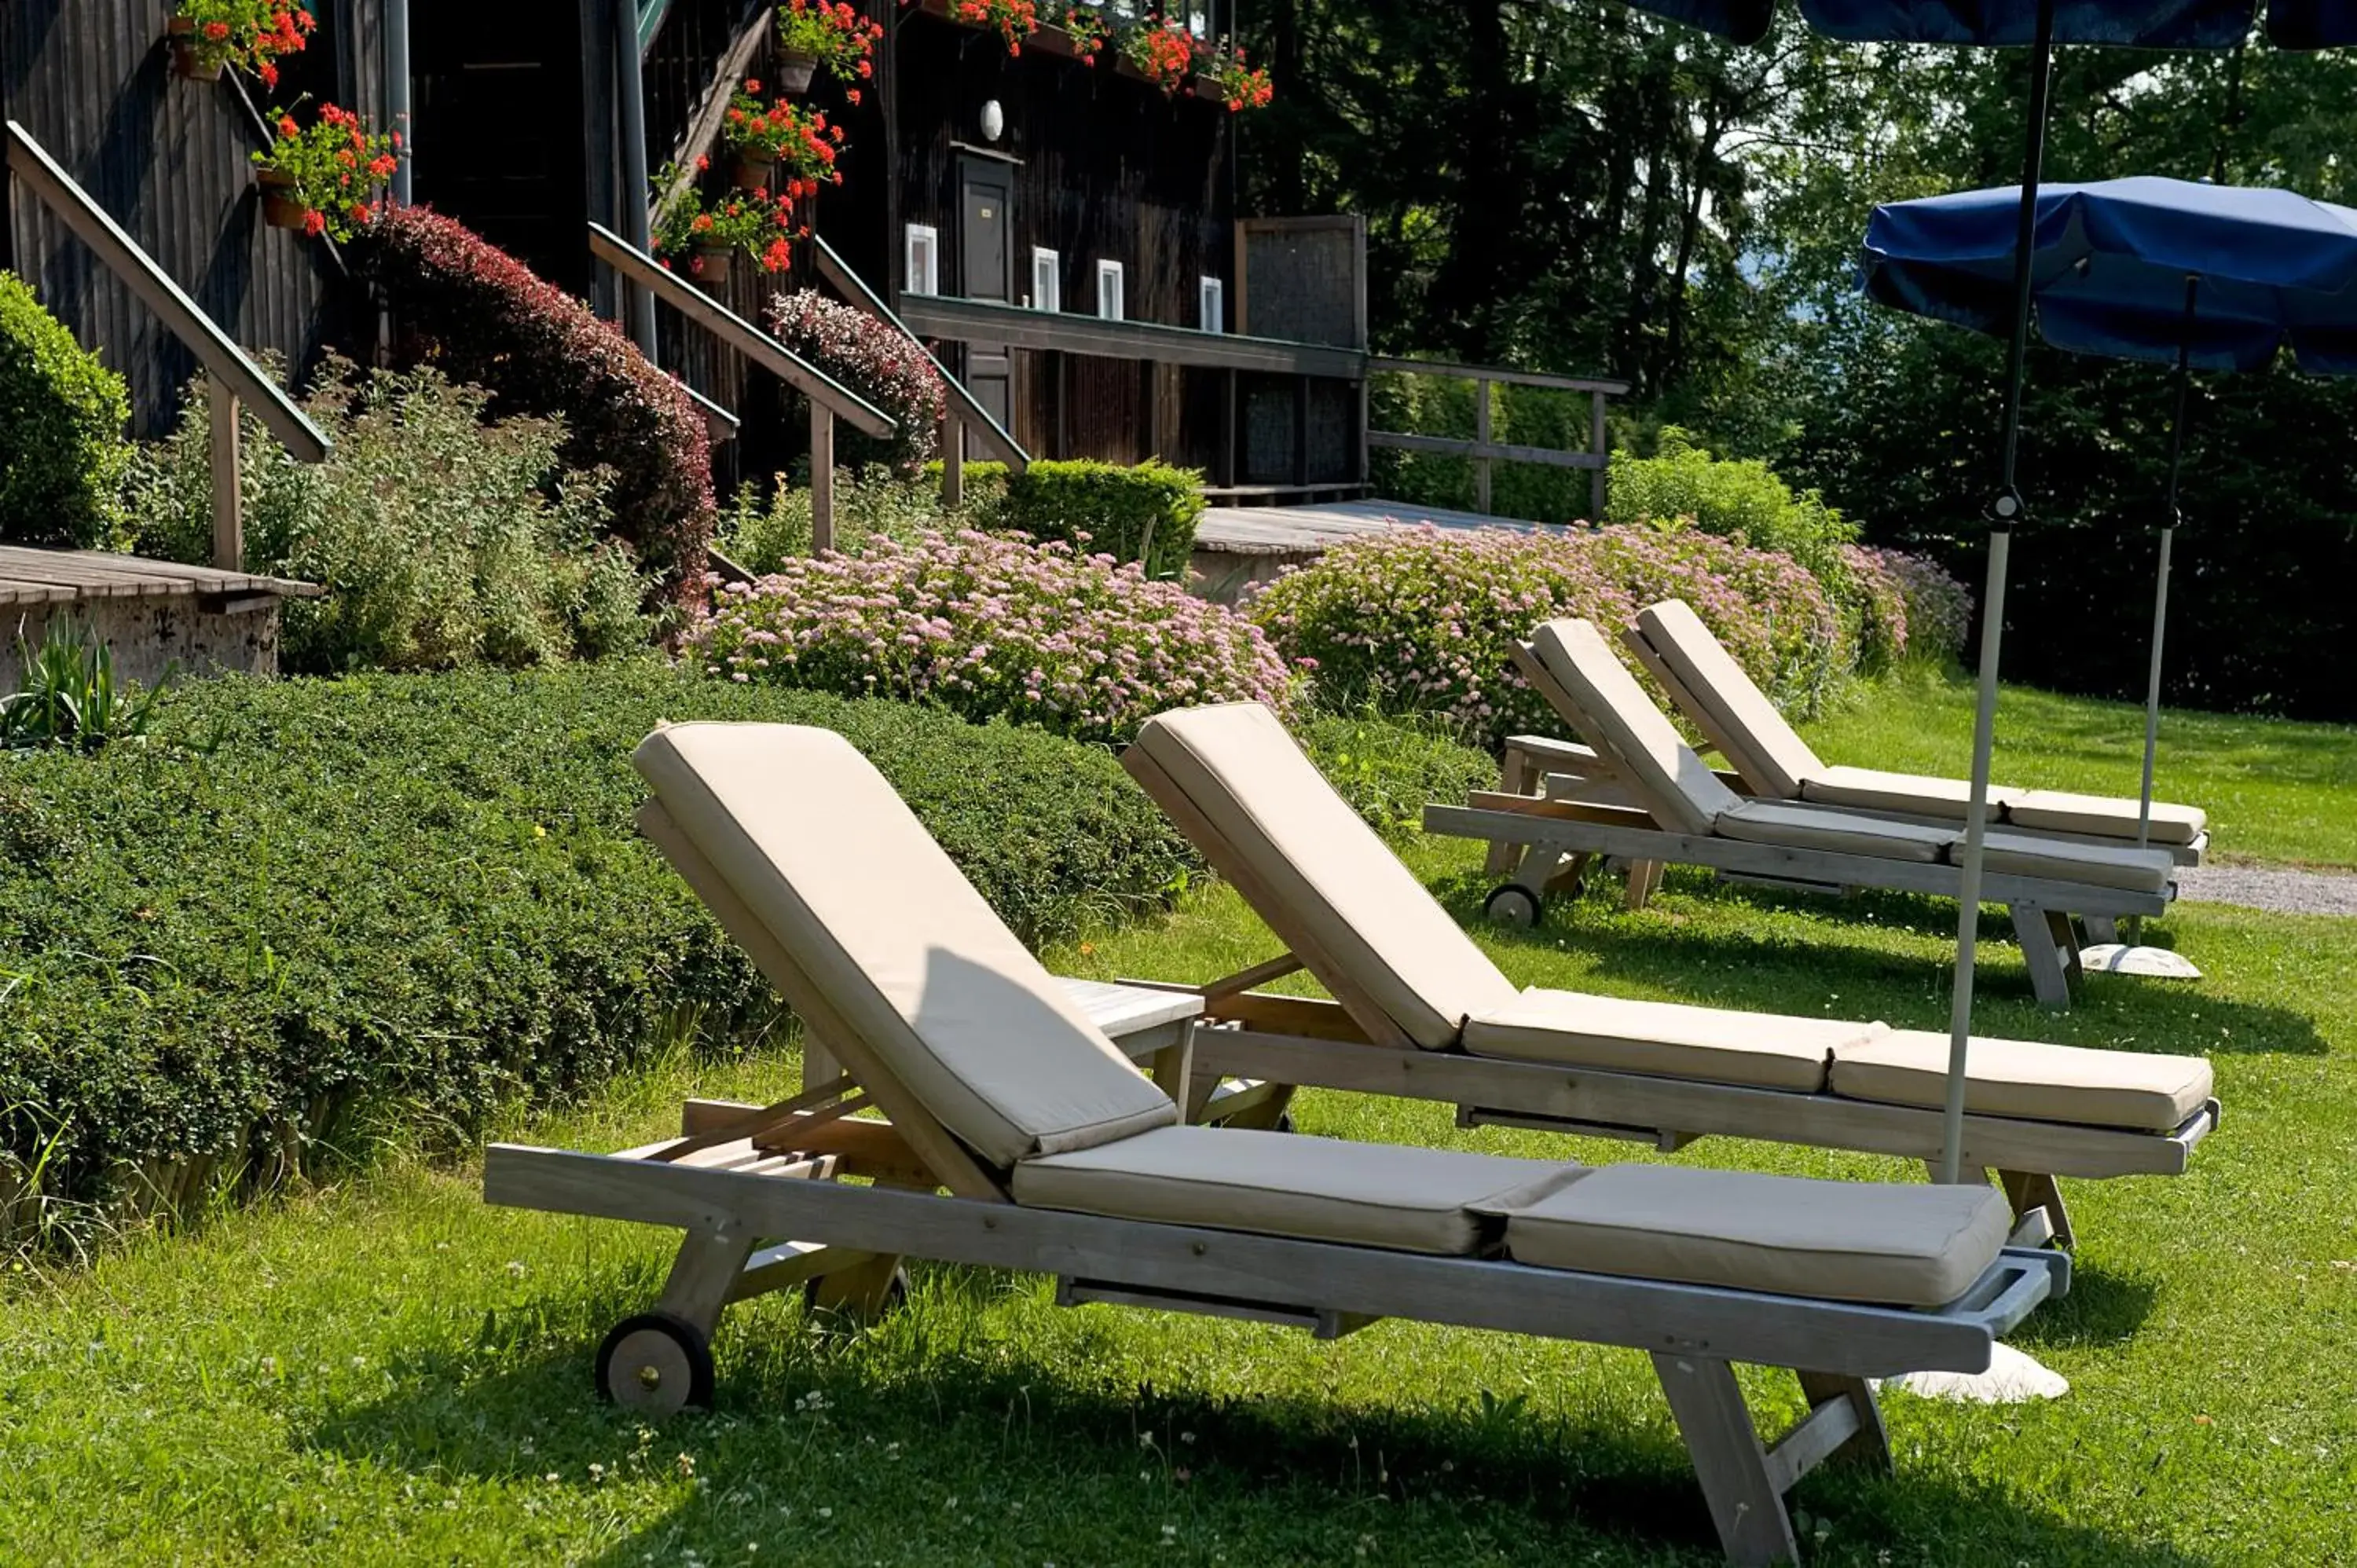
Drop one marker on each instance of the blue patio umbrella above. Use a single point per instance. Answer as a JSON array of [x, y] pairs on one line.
[[2204, 276], [2038, 25]]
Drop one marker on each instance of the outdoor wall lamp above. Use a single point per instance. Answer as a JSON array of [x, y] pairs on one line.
[[994, 121]]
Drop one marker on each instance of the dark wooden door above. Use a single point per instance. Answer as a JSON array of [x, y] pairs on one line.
[[985, 268], [496, 144]]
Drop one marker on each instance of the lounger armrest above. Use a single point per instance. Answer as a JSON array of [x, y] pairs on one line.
[[2012, 1288]]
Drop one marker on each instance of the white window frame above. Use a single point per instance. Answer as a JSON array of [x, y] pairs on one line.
[[1111, 290], [1212, 303], [1047, 279], [921, 259]]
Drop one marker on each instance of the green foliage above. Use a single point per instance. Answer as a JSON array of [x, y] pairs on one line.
[[310, 905], [1735, 498], [70, 695], [762, 532], [1521, 416], [1391, 769], [433, 527], [62, 413], [1111, 508]]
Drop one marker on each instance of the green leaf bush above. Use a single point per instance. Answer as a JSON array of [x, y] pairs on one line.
[[445, 536], [1741, 500], [1105, 508], [62, 414], [307, 913]]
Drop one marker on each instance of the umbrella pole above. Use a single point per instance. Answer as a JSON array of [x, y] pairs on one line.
[[2004, 513], [2170, 517]]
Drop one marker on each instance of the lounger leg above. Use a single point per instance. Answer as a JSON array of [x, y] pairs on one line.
[[1870, 1444], [1645, 880], [1174, 1067], [1515, 776], [704, 1275], [2029, 1191], [1570, 876], [1729, 1460], [2045, 935]]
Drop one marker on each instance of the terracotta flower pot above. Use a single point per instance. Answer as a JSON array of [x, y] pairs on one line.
[[188, 60], [793, 72], [752, 171], [280, 208], [710, 267]]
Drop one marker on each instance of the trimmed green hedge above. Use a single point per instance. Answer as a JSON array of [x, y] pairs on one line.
[[1112, 504], [62, 413], [416, 899]]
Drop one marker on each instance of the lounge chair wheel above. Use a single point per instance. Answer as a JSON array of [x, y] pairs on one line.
[[655, 1364], [1514, 905]]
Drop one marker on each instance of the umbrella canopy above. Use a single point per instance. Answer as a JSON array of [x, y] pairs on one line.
[[2136, 24], [2109, 264]]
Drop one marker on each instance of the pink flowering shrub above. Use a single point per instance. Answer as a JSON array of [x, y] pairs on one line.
[[990, 626], [1420, 620], [885, 366], [1911, 608]]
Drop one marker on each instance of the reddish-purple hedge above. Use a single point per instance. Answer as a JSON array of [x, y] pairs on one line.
[[479, 315]]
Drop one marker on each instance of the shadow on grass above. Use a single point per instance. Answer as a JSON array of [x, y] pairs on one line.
[[934, 1440], [1767, 969], [2103, 1308]]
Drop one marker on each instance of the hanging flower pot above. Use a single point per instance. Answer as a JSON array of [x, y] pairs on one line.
[[752, 170], [795, 69], [193, 56], [282, 208], [710, 267]]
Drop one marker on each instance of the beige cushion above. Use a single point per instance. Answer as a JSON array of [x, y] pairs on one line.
[[1912, 1246], [1917, 794], [1837, 831], [1337, 881], [1282, 1184], [826, 854], [2134, 1089], [2103, 816], [1613, 713], [1669, 1040], [2060, 860], [1768, 752]]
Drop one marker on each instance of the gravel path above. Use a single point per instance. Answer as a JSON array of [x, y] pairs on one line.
[[2283, 889]]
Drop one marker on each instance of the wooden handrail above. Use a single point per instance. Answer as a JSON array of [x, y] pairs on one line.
[[1504, 377], [993, 435], [120, 255], [1492, 451], [734, 330]]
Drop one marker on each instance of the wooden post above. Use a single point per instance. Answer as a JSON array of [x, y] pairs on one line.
[[1482, 435], [822, 477], [1596, 440], [229, 518], [952, 460]]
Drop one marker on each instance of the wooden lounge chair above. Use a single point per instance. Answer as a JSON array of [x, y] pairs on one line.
[[1646, 800], [1422, 1013], [1773, 762], [1058, 1156]]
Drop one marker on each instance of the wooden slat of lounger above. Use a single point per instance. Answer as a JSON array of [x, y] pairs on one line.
[[1565, 1093], [1748, 859], [1860, 1341]]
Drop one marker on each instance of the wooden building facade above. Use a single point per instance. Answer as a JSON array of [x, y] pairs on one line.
[[1064, 232]]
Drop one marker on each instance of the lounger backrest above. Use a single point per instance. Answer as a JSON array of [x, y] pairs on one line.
[[1768, 753], [1615, 715], [1334, 880], [830, 859]]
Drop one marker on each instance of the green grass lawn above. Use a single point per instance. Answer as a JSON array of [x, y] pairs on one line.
[[2274, 790], [387, 1371]]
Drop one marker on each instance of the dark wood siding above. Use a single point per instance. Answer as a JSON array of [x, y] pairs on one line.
[[92, 81]]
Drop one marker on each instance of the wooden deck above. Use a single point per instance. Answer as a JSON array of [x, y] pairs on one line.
[[1300, 531], [67, 576]]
